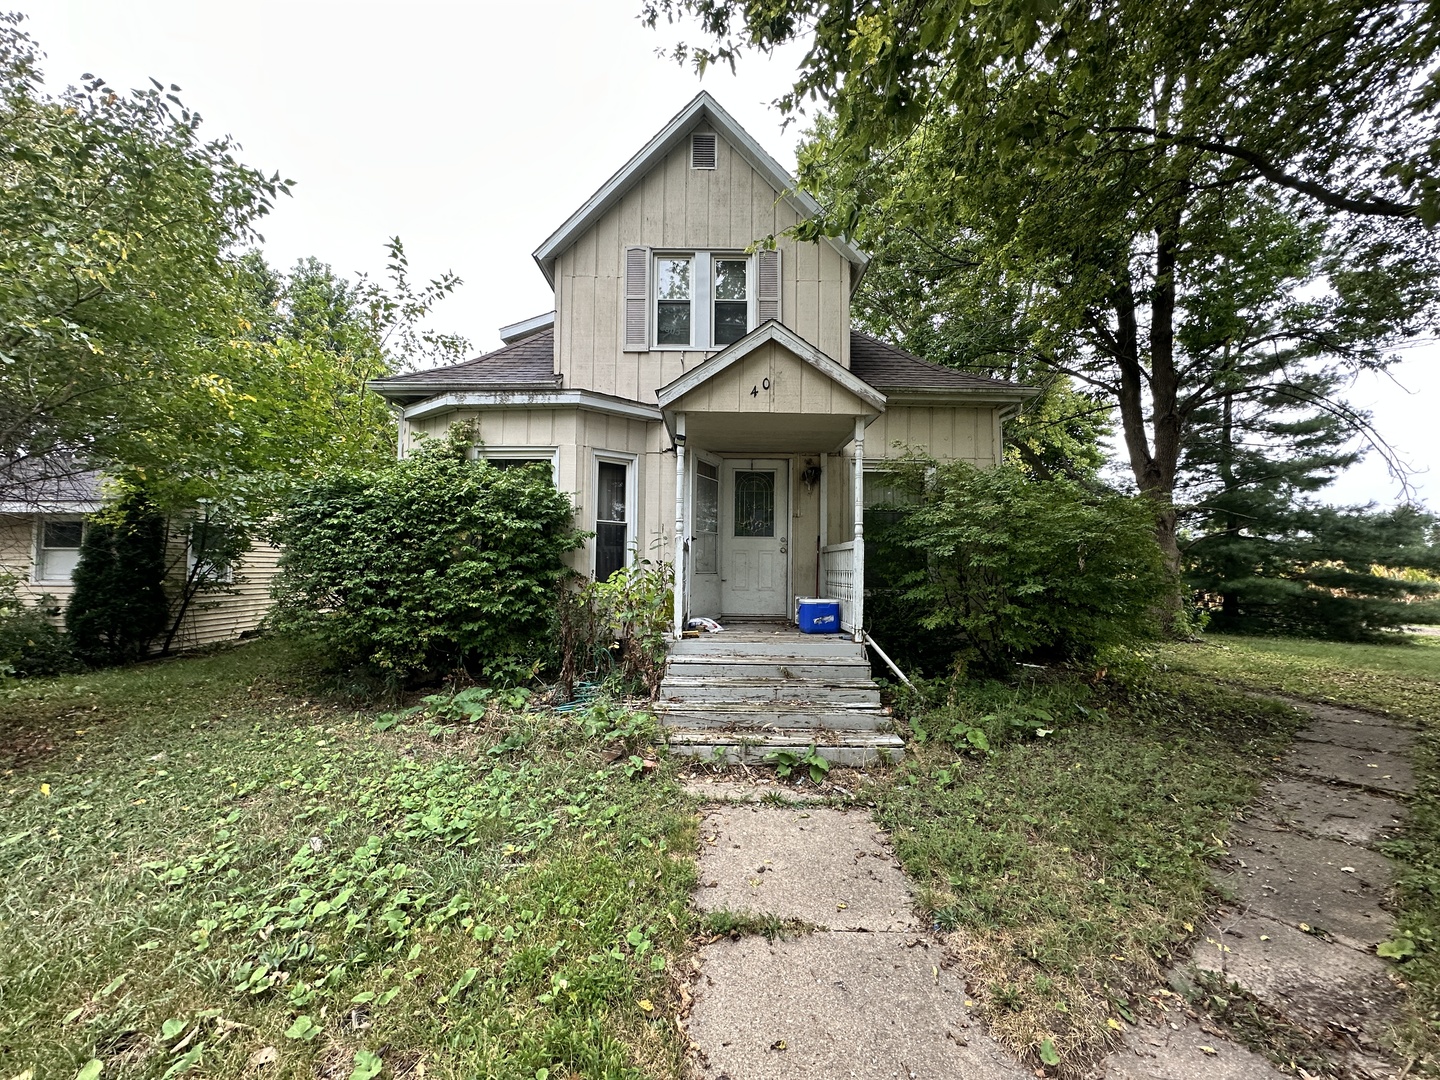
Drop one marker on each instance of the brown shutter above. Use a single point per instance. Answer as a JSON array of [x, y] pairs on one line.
[[637, 299], [767, 284]]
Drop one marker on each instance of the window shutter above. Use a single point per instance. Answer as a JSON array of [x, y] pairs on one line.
[[767, 284], [637, 299]]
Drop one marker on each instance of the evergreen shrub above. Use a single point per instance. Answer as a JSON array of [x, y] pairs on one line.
[[987, 569], [426, 565], [30, 643], [119, 607]]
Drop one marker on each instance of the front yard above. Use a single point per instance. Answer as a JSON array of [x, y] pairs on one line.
[[209, 868]]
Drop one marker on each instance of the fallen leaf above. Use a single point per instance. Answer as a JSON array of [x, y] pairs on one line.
[[1347, 869], [45, 790], [1114, 1024], [1208, 1050], [778, 1044], [647, 1005], [266, 1055]]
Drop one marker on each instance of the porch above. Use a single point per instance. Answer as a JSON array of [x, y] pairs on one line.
[[769, 444]]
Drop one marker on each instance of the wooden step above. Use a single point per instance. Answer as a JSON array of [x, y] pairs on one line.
[[813, 669], [695, 689], [773, 716], [854, 749]]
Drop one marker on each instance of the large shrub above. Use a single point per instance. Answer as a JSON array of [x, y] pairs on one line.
[[990, 569], [30, 644], [119, 608], [426, 564]]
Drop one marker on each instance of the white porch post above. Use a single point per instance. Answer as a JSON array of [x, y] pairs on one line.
[[824, 514], [858, 602], [680, 530]]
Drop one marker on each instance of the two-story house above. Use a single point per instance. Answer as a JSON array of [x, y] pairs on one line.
[[699, 378]]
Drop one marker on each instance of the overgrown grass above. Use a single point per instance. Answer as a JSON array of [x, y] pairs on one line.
[[200, 862], [1072, 856], [1401, 679]]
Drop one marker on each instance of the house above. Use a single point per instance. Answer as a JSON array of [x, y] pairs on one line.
[[699, 378], [43, 521]]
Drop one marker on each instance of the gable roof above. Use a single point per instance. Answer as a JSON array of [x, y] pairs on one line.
[[527, 364], [702, 107], [55, 484], [782, 335], [892, 368]]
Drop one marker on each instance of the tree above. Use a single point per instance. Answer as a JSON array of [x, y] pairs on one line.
[[119, 606], [1168, 206], [117, 300]]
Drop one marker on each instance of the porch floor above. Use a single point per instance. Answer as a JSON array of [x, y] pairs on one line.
[[764, 686]]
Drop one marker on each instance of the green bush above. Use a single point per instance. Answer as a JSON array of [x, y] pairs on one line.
[[30, 644], [427, 564], [119, 606], [988, 569]]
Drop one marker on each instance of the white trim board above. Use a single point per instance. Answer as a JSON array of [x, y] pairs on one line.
[[531, 399], [701, 108]]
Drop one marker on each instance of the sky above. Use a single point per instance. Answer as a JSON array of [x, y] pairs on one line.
[[472, 130]]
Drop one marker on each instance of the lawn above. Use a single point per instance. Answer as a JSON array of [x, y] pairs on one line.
[[1399, 678], [205, 865], [1070, 851]]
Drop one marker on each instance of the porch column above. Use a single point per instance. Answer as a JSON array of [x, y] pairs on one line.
[[680, 530], [857, 604]]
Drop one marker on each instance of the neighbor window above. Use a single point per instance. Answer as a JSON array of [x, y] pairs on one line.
[[702, 300], [514, 457], [210, 548], [58, 549], [612, 517]]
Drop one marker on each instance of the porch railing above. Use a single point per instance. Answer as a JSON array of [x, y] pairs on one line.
[[839, 566]]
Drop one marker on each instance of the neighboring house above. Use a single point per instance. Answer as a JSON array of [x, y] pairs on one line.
[[693, 381], [42, 523]]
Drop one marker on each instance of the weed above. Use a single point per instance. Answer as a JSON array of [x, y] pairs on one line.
[[789, 762]]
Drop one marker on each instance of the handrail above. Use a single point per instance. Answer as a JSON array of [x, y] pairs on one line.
[[884, 656]]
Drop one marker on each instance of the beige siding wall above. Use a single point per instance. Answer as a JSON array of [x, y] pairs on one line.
[[795, 387], [214, 617], [964, 434], [683, 209]]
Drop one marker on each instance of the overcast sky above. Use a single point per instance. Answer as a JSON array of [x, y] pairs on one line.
[[472, 130]]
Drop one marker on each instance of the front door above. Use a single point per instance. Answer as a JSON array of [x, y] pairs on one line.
[[754, 537]]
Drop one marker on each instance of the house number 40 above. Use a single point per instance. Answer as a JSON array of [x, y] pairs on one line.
[[755, 390]]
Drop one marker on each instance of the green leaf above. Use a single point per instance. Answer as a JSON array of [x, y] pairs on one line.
[[186, 1063], [90, 1070], [1048, 1053], [171, 1029], [367, 1065], [1398, 948], [304, 1029]]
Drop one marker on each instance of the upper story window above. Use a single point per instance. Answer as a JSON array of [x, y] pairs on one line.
[[702, 300]]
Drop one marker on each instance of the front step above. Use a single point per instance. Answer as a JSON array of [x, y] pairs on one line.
[[740, 699], [852, 749], [701, 688]]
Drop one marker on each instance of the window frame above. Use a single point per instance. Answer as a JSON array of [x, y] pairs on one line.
[[38, 548], [550, 454], [221, 575], [631, 463], [702, 296]]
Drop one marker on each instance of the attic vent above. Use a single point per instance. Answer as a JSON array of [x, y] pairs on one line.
[[702, 150]]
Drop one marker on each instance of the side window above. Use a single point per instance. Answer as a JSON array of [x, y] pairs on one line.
[[612, 517], [58, 548], [705, 544]]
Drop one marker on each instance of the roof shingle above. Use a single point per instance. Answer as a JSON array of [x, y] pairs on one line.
[[528, 362], [887, 367]]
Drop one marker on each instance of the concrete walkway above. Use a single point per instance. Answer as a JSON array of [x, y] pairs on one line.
[[866, 994], [1307, 885], [869, 993]]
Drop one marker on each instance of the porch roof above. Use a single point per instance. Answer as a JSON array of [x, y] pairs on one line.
[[770, 391]]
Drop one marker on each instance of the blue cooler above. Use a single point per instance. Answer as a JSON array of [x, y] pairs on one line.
[[818, 616]]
